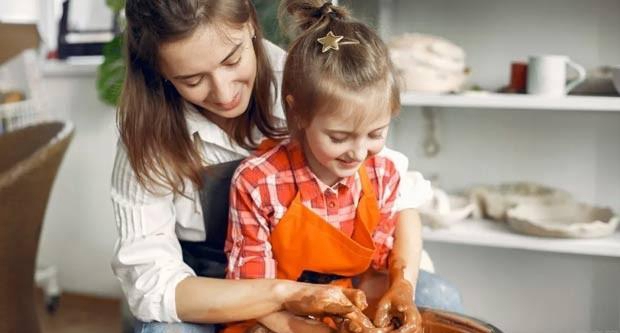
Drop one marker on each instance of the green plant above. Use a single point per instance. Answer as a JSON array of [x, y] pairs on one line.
[[111, 72]]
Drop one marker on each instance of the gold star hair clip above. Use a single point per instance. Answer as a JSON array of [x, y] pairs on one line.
[[333, 42]]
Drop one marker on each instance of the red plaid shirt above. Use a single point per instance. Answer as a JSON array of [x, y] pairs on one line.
[[263, 187]]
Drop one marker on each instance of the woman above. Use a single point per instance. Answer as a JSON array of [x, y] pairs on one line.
[[199, 91]]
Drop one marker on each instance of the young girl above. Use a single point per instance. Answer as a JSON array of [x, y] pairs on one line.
[[319, 207]]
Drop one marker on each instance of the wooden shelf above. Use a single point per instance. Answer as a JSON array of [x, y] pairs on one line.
[[512, 101], [498, 235]]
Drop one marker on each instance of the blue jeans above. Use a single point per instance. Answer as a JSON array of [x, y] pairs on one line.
[[436, 293], [157, 327], [431, 291]]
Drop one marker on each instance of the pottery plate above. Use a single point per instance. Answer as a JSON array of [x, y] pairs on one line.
[[458, 210], [565, 220]]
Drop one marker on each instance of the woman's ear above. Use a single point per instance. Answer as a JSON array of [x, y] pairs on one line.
[[252, 30], [290, 101]]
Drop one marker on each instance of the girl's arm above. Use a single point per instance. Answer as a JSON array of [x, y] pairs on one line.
[[408, 244]]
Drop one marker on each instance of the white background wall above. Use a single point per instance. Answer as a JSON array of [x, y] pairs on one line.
[[79, 231], [519, 290]]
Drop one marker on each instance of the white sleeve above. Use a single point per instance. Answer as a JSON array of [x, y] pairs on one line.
[[413, 190], [147, 256]]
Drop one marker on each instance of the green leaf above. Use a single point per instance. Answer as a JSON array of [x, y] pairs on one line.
[[116, 5], [268, 17], [111, 72]]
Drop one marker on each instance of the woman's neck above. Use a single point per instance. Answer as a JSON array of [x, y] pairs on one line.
[[226, 124]]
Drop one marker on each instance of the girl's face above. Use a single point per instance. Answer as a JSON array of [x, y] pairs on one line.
[[337, 141], [214, 68]]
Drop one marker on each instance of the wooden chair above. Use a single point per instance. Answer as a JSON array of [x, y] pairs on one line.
[[29, 161]]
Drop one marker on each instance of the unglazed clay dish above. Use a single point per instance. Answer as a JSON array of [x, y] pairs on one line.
[[445, 210], [494, 201], [567, 220]]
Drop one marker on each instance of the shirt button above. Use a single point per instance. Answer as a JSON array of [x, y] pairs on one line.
[[331, 204]]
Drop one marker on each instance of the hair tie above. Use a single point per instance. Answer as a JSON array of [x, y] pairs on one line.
[[326, 8]]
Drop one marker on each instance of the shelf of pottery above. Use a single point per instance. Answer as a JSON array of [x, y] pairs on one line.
[[456, 57]]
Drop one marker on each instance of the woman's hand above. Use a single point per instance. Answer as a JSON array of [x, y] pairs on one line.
[[357, 322], [343, 305], [396, 307], [323, 300]]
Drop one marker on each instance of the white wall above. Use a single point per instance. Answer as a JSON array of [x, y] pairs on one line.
[[23, 11], [78, 231], [533, 292], [521, 291]]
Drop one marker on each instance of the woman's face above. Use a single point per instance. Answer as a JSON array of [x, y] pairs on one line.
[[214, 68]]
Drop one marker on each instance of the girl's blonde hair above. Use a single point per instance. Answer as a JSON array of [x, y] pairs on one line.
[[316, 79], [151, 116]]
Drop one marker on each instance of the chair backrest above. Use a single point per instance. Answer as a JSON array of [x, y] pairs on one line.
[[29, 161]]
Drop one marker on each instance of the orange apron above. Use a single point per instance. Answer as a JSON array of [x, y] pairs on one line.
[[304, 242]]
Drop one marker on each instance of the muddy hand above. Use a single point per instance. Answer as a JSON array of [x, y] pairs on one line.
[[357, 322], [326, 300], [396, 307]]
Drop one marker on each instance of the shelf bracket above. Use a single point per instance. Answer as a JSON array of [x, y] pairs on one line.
[[431, 142]]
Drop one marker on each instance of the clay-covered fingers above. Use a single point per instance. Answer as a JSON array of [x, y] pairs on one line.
[[319, 301], [357, 297], [358, 322], [396, 302], [383, 315], [410, 321], [345, 325]]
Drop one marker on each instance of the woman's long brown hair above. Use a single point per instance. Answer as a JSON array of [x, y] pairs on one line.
[[151, 117]]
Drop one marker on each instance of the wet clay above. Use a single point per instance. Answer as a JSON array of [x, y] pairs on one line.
[[434, 321], [330, 300]]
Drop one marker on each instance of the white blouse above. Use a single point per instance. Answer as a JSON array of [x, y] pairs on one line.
[[147, 259]]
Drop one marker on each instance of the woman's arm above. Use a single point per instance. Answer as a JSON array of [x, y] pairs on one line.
[[207, 300], [147, 258]]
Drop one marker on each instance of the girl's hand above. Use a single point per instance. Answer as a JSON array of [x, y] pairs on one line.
[[396, 307]]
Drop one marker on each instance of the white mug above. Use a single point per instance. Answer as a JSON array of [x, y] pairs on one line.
[[546, 75]]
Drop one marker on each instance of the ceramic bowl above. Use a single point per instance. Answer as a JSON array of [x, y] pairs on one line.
[[565, 220], [493, 201], [615, 76], [445, 210]]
